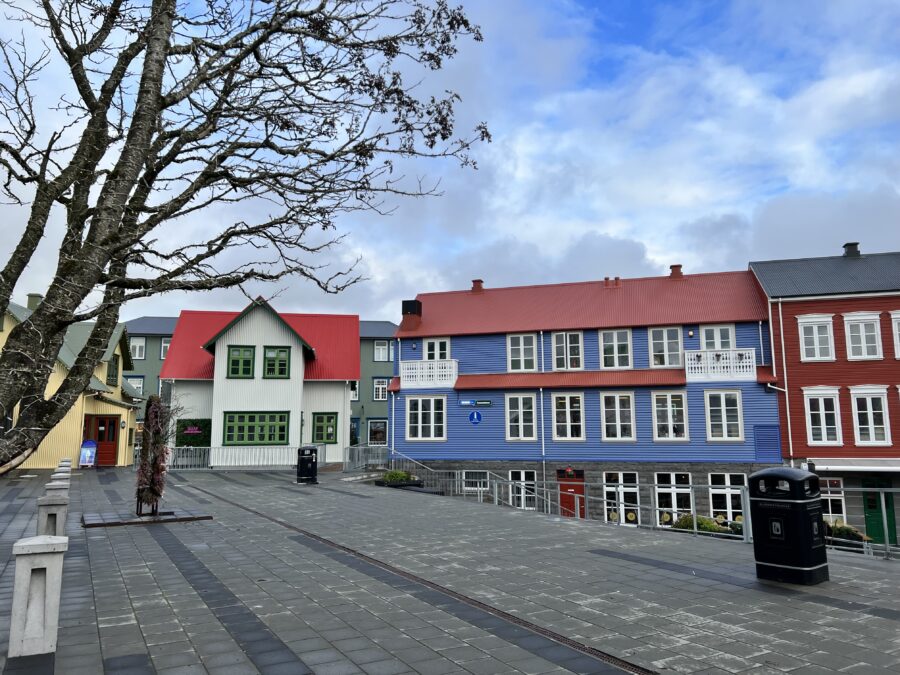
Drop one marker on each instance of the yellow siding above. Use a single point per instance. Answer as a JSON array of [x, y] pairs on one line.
[[64, 440]]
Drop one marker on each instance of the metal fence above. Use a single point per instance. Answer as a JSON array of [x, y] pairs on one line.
[[236, 458], [366, 457]]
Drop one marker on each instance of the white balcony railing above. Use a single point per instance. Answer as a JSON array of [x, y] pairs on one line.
[[428, 374], [720, 364]]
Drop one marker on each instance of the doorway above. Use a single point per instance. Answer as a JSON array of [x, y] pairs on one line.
[[571, 483], [875, 517], [104, 429]]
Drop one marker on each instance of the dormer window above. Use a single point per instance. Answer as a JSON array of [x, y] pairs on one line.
[[567, 352]]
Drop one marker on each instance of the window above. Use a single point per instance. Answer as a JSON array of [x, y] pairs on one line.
[[717, 338], [137, 383], [823, 416], [256, 428], [354, 391], [833, 500], [870, 415], [568, 419], [615, 348], [436, 349], [381, 350], [520, 417], [618, 416], [474, 481], [816, 337], [240, 361], [277, 363], [567, 351], [895, 325], [725, 503], [325, 427], [164, 345], [863, 331], [724, 417], [378, 432], [665, 347], [379, 389], [674, 497], [425, 418], [138, 347], [621, 499], [112, 371], [521, 353], [523, 490], [670, 416]]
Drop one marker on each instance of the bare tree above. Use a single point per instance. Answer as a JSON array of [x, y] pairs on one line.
[[269, 117]]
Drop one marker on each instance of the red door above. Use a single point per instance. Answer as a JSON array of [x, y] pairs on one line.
[[104, 429], [571, 483]]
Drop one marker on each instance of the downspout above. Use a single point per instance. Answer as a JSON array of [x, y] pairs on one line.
[[762, 350], [543, 443], [787, 395], [772, 340]]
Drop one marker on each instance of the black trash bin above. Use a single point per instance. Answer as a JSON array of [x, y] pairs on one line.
[[788, 531], [308, 464]]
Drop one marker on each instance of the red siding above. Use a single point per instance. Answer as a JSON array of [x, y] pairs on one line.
[[839, 373]]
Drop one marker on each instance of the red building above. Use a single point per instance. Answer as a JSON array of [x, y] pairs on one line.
[[835, 326]]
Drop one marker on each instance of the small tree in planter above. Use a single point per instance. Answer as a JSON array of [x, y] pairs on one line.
[[151, 474]]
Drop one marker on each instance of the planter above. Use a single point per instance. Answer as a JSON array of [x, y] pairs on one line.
[[399, 484]]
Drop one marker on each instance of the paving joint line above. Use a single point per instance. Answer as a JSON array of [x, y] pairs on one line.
[[587, 650]]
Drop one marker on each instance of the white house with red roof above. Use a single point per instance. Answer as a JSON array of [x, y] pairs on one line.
[[253, 386]]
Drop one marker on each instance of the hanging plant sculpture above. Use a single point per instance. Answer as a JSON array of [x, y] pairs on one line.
[[151, 475]]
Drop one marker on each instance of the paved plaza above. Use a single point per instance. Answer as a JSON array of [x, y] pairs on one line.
[[348, 578]]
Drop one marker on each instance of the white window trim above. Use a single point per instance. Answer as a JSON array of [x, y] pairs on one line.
[[729, 326], [129, 378], [462, 480], [603, 438], [823, 392], [871, 390], [565, 439], [673, 489], [709, 437], [833, 494], [816, 319], [728, 490], [163, 350], [630, 349], [620, 489], [687, 425], [580, 348], [138, 339], [509, 367], [427, 341], [420, 439], [354, 391], [375, 381], [386, 344], [680, 330], [895, 329], [863, 317], [534, 418], [524, 485]]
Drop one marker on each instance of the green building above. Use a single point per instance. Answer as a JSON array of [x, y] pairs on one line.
[[369, 408], [149, 338]]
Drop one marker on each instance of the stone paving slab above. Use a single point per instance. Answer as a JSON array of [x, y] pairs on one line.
[[249, 593]]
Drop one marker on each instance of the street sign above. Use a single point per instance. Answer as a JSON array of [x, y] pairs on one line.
[[475, 417], [471, 403]]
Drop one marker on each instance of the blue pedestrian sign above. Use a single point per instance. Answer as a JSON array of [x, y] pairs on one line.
[[475, 417]]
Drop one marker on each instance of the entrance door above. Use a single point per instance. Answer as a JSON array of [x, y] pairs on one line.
[[571, 483], [873, 513], [104, 429]]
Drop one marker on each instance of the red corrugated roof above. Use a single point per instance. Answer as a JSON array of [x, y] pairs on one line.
[[334, 337], [649, 301]]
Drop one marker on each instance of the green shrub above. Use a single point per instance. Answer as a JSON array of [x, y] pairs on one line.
[[737, 527], [704, 524], [395, 476], [841, 530]]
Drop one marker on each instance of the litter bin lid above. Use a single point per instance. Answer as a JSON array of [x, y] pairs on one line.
[[783, 482]]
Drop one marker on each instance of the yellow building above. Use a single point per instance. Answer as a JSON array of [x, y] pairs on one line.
[[104, 413]]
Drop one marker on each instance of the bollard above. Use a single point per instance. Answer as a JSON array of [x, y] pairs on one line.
[[36, 590], [52, 512]]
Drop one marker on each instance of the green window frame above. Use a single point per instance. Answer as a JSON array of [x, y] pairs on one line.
[[256, 428], [241, 360], [325, 427], [276, 363]]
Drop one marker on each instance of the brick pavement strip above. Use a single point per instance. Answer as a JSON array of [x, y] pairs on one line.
[[128, 606]]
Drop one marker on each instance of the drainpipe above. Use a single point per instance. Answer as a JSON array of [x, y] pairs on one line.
[[543, 444], [393, 417], [772, 341], [787, 395], [762, 351]]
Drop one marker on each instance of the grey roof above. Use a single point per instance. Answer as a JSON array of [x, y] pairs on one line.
[[837, 275], [152, 325], [377, 329]]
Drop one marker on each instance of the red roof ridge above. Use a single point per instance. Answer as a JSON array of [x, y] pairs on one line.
[[657, 277]]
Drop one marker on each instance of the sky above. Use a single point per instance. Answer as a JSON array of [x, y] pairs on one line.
[[629, 136]]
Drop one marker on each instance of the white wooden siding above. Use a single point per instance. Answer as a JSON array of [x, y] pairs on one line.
[[328, 397], [192, 399]]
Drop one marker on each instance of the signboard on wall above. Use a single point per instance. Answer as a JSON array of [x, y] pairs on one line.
[[471, 403]]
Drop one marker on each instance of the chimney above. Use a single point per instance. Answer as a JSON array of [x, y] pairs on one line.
[[477, 285], [34, 299], [412, 308], [851, 249], [605, 282], [676, 272], [617, 282]]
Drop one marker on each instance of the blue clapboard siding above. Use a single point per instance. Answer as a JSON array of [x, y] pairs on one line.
[[486, 441]]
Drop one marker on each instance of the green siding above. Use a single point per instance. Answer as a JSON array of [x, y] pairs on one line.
[[366, 408], [149, 367]]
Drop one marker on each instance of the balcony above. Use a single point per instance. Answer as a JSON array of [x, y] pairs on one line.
[[428, 374], [716, 365]]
